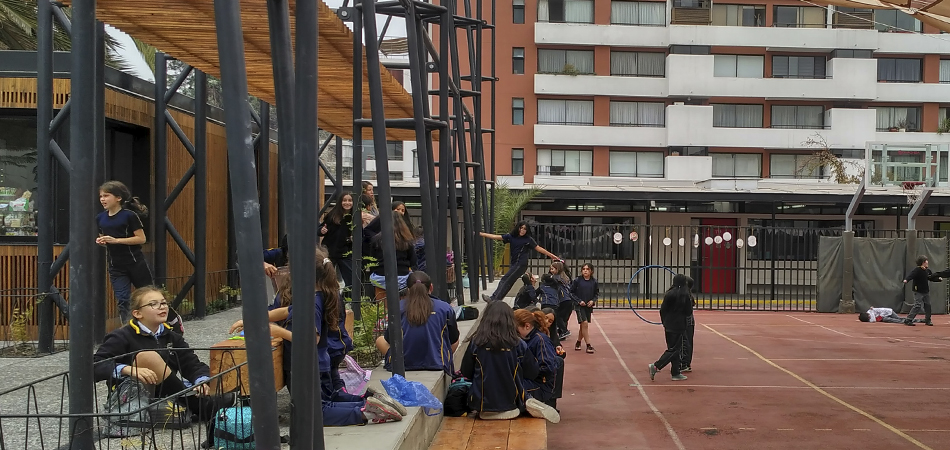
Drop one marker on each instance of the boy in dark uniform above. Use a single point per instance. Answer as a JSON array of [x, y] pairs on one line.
[[921, 277]]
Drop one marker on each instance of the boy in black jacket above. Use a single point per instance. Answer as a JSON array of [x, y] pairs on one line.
[[921, 275], [676, 308]]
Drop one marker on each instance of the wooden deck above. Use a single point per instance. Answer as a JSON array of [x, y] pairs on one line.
[[466, 433]]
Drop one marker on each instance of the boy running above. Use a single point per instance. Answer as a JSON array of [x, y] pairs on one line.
[[921, 276]]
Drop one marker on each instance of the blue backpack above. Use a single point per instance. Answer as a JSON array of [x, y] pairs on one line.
[[233, 430]]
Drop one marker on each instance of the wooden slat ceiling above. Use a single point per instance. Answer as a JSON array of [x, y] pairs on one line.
[[185, 29], [933, 12]]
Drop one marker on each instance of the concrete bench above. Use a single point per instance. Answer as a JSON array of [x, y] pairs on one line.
[[468, 433]]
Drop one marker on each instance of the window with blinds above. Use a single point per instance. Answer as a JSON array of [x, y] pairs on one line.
[[737, 116], [737, 165], [638, 13], [893, 118], [738, 15], [738, 66], [798, 66], [566, 61], [566, 11], [894, 20], [637, 64], [898, 70], [800, 166], [945, 70], [798, 116], [565, 112], [637, 114], [799, 17], [636, 164], [565, 162]]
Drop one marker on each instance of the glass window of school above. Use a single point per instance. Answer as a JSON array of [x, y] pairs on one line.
[[637, 13], [738, 15], [566, 11], [569, 62], [637, 64], [737, 165], [565, 162], [738, 66], [636, 164]]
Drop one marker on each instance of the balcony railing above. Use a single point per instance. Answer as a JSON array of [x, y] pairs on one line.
[[857, 20], [691, 16]]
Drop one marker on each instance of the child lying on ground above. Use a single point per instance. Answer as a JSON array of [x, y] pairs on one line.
[[886, 315]]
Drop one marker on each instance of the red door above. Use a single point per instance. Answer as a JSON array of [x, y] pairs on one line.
[[719, 259]]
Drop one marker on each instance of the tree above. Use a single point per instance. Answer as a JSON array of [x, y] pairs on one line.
[[823, 157], [508, 205]]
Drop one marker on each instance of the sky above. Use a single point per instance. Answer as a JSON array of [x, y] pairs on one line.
[[397, 28]]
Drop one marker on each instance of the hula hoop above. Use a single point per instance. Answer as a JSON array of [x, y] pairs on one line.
[[630, 284]]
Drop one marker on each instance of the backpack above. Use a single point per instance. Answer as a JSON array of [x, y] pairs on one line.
[[170, 415], [456, 399], [466, 313], [132, 397], [233, 429]]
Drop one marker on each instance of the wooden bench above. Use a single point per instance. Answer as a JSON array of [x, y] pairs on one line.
[[467, 433]]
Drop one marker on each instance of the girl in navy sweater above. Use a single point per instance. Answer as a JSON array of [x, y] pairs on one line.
[[122, 233], [533, 328], [586, 290], [497, 361], [566, 304]]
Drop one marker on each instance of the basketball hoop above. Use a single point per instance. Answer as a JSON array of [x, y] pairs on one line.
[[911, 190]]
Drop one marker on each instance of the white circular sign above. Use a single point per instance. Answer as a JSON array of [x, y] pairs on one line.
[[709, 240], [667, 241], [717, 239], [618, 238], [752, 241], [739, 243], [727, 236], [634, 236], [682, 242]]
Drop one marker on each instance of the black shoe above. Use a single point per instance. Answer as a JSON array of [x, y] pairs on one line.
[[929, 323], [486, 298], [909, 323]]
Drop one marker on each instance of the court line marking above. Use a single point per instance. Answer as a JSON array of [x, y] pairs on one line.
[[859, 360], [825, 393], [729, 386], [817, 325], [643, 393]]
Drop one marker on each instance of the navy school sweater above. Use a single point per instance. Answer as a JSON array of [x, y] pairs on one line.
[[497, 376], [131, 338], [541, 347], [428, 346]]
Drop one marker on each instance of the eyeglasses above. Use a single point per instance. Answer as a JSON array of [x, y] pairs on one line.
[[157, 305]]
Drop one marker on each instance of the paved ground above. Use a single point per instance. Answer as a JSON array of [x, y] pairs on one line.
[[761, 381]]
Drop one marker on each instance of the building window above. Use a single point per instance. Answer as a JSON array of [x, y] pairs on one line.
[[945, 70], [737, 165], [634, 64], [637, 114], [795, 166], [689, 151], [737, 116], [798, 117], [17, 177], [849, 153], [517, 111], [565, 162], [898, 70], [738, 66], [847, 53], [798, 67], [393, 150], [517, 60], [638, 13], [739, 15], [894, 20], [898, 118], [569, 11], [636, 164], [415, 163], [517, 161], [571, 62], [799, 17], [395, 176], [942, 114], [689, 49], [517, 11], [565, 112]]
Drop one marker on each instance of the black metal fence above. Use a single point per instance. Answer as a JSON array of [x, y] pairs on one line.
[[753, 267]]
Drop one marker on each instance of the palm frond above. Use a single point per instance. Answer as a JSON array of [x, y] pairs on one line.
[[147, 51], [508, 205]]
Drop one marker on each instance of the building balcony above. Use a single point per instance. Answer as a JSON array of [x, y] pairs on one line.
[[611, 35], [588, 85], [774, 38], [693, 76], [913, 92], [599, 136], [693, 126]]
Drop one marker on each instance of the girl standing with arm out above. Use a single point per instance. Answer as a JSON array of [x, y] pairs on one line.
[[521, 243], [122, 233], [586, 290]]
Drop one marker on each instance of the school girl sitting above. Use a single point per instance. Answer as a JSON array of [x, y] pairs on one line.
[[405, 255], [430, 334], [164, 361], [497, 361], [528, 294], [533, 328]]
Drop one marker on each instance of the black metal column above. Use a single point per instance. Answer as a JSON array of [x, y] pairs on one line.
[[98, 278], [356, 286], [263, 170], [44, 173], [246, 217], [382, 178], [307, 414], [201, 193], [82, 233], [278, 17], [160, 131]]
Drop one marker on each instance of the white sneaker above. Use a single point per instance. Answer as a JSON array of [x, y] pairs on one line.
[[500, 415], [391, 402], [375, 411], [542, 411]]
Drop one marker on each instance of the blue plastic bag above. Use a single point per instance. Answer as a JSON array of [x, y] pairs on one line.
[[412, 393]]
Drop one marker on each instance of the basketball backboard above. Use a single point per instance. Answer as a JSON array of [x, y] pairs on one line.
[[893, 164]]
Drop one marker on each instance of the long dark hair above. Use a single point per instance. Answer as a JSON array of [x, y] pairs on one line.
[[401, 232], [337, 214], [418, 302], [121, 191], [329, 286], [366, 201], [527, 229], [497, 328]]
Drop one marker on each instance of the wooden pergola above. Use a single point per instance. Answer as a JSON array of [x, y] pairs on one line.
[[185, 29], [932, 12]]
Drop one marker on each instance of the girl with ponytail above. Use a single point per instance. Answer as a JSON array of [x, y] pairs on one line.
[[533, 328], [122, 233], [429, 332]]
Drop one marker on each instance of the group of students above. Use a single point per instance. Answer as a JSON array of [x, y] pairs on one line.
[[919, 278]]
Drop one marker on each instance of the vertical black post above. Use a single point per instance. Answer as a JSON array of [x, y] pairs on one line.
[[307, 414], [201, 193], [494, 135], [246, 216], [44, 173], [278, 17], [82, 232], [339, 168], [356, 286], [770, 238], [160, 146], [99, 256], [382, 177], [263, 170], [448, 200]]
